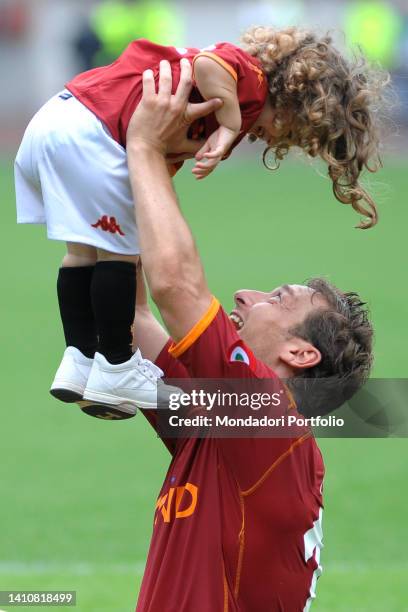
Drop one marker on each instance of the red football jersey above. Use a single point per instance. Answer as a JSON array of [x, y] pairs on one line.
[[113, 92], [237, 526]]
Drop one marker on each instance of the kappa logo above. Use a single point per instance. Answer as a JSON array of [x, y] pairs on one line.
[[108, 224]]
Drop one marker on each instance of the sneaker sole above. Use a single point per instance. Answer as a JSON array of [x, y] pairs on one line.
[[121, 403], [67, 393], [106, 412]]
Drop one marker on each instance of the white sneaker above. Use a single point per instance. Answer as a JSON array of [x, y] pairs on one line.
[[72, 375], [115, 391]]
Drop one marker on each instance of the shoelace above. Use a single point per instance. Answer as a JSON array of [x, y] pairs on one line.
[[150, 370], [155, 374]]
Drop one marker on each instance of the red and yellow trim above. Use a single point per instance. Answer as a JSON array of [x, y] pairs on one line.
[[225, 586], [178, 349], [219, 61], [292, 402], [275, 464], [244, 494], [241, 540]]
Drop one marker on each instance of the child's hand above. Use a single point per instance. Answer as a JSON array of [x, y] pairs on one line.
[[214, 149]]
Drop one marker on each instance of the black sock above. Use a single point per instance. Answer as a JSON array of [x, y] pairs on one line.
[[74, 297], [113, 294]]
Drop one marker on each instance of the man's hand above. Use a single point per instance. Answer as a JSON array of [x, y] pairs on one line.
[[161, 118]]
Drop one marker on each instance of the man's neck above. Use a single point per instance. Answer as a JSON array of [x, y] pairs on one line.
[[272, 361]]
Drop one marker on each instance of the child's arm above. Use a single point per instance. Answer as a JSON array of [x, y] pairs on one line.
[[215, 81]]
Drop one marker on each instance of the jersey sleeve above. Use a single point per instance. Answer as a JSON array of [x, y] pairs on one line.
[[205, 350], [224, 57], [252, 87], [236, 61], [172, 369], [213, 349]]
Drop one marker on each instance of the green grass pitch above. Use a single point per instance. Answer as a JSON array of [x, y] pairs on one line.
[[78, 494]]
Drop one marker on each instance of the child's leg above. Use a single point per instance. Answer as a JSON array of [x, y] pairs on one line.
[[74, 297], [119, 381], [113, 295]]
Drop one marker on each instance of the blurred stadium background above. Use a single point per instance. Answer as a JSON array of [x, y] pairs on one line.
[[78, 494]]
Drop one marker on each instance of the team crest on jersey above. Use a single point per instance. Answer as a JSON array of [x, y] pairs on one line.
[[241, 353]]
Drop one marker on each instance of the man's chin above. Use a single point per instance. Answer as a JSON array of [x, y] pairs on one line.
[[243, 335], [248, 337]]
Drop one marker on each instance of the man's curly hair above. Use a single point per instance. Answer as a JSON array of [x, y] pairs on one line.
[[333, 103], [344, 336]]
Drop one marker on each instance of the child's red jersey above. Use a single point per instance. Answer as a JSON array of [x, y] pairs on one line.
[[113, 92]]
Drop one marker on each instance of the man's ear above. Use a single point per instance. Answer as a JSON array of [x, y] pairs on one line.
[[299, 354]]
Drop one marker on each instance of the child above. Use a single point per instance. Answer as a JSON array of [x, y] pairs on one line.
[[286, 87]]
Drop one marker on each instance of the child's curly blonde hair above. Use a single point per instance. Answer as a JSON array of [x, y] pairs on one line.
[[332, 102]]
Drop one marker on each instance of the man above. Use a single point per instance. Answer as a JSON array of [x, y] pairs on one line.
[[238, 521]]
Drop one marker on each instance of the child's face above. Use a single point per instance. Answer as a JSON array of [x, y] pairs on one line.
[[271, 125]]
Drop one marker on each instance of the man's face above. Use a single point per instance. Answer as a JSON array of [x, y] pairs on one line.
[[263, 320]]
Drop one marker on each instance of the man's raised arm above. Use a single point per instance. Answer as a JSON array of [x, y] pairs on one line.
[[170, 258]]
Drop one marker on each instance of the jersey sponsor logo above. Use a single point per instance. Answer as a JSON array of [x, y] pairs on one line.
[[179, 502], [258, 71], [108, 224]]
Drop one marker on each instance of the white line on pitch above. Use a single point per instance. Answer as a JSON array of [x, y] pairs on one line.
[[77, 568]]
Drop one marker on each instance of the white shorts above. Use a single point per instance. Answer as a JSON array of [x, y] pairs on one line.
[[72, 176]]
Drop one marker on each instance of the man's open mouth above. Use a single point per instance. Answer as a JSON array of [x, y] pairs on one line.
[[237, 320]]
